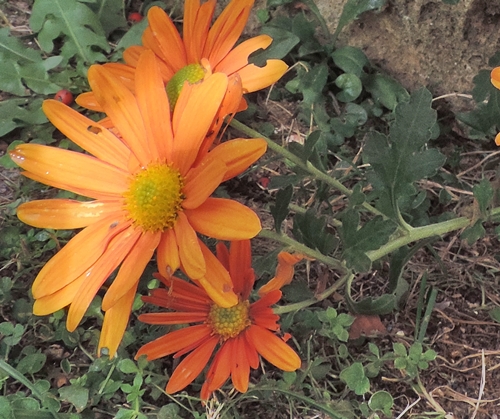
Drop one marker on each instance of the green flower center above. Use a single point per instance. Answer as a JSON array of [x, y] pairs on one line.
[[192, 73], [155, 197], [229, 322]]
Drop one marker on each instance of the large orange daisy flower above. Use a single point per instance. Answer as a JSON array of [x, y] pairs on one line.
[[203, 49], [146, 195], [241, 333]]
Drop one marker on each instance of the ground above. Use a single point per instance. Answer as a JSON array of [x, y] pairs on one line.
[[442, 47]]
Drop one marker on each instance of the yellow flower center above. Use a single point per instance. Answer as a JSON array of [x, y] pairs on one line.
[[155, 197], [229, 322], [192, 73]]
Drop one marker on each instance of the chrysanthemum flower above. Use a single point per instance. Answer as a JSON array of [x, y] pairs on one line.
[[203, 49], [146, 195], [241, 333]]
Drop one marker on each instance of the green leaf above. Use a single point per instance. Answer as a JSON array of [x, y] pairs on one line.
[[16, 113], [355, 378], [484, 194], [31, 363], [385, 90], [83, 34], [350, 60], [283, 42], [134, 35], [279, 210], [495, 314], [12, 49], [353, 8], [357, 242], [351, 87], [382, 401], [313, 82], [111, 14], [127, 366], [75, 394], [312, 231], [473, 233]]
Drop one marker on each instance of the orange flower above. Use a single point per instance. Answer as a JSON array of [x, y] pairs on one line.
[[242, 332], [146, 195], [495, 80], [203, 49]]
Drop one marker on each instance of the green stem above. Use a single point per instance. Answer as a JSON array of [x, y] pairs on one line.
[[316, 299], [24, 381], [302, 248], [307, 166]]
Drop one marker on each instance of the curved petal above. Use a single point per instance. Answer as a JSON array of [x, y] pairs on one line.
[[150, 42], [191, 257], [123, 72], [66, 214], [217, 282], [284, 272], [191, 366], [167, 254], [115, 322], [121, 107], [131, 54], [79, 254], [202, 181], [88, 100], [240, 267], [195, 27], [273, 349], [224, 219], [239, 154], [251, 352], [220, 369], [167, 38], [222, 253], [155, 109], [70, 168], [255, 78], [89, 135], [240, 368], [131, 269], [237, 58], [200, 101], [226, 30], [495, 77], [97, 274], [173, 318], [53, 302], [174, 341]]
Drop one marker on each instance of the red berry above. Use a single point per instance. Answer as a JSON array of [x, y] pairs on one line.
[[134, 17], [264, 182], [64, 96]]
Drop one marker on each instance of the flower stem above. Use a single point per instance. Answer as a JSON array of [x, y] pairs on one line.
[[304, 165]]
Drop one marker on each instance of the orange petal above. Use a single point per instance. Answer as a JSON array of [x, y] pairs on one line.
[[273, 349], [131, 269], [226, 30], [195, 27], [173, 318], [497, 139], [191, 366], [202, 181], [190, 254], [217, 282], [239, 154], [66, 214], [284, 272], [238, 57], [79, 254], [88, 100], [120, 105], [200, 101], [97, 274], [89, 135], [240, 267], [51, 303], [495, 77], [167, 38], [131, 54], [167, 254], [65, 169], [240, 368], [251, 352], [155, 109], [123, 72], [220, 369], [115, 322], [223, 254], [255, 78], [174, 341], [224, 219]]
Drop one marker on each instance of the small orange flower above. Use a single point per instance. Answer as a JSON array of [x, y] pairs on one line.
[[241, 332], [203, 49], [147, 193]]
